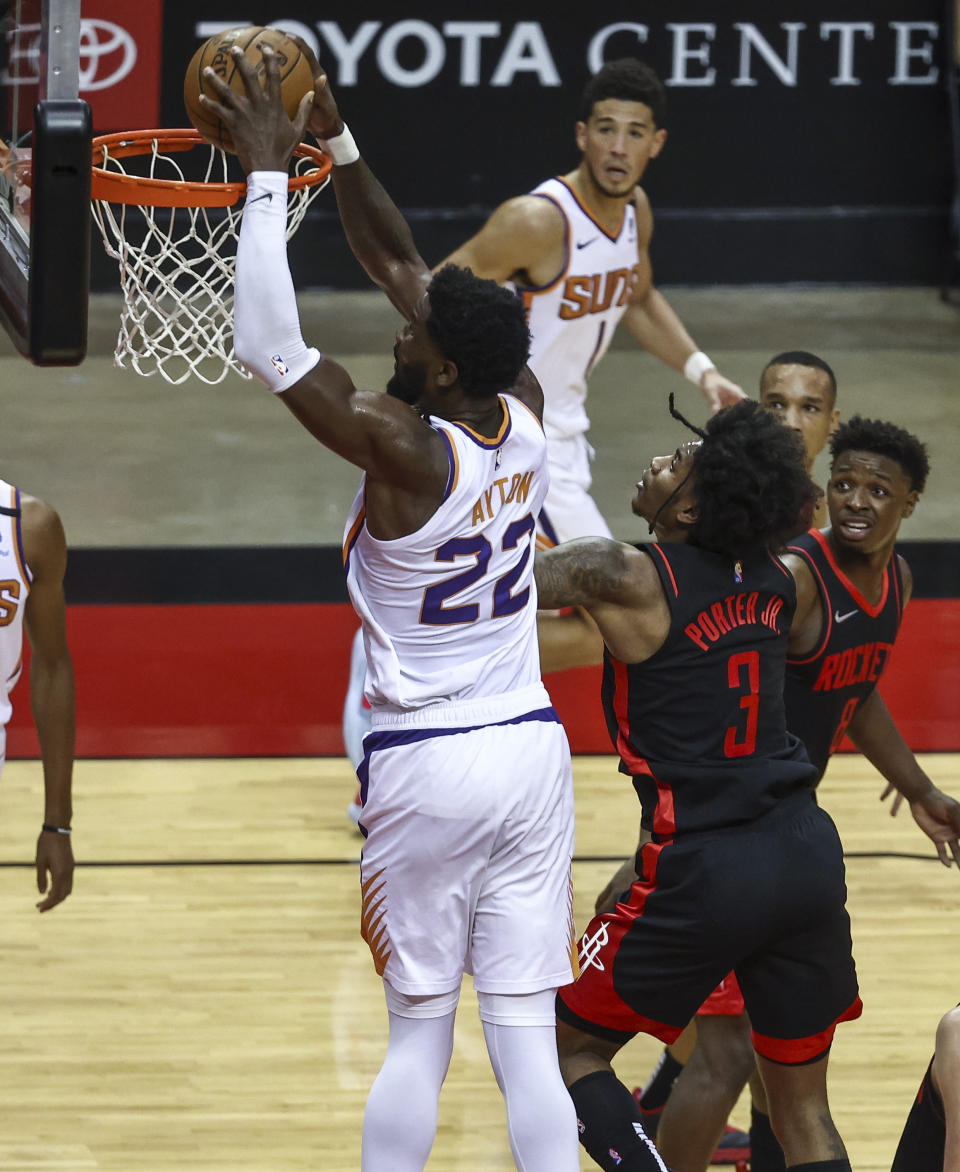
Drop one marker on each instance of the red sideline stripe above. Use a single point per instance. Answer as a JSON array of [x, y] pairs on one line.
[[268, 680]]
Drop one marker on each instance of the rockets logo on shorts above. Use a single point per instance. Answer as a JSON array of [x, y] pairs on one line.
[[278, 364], [590, 947]]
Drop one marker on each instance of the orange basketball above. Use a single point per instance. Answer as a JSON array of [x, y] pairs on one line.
[[295, 75]]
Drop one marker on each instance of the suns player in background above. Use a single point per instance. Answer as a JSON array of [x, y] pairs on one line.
[[33, 558], [577, 248]]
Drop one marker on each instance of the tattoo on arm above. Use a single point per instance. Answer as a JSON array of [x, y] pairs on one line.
[[580, 572]]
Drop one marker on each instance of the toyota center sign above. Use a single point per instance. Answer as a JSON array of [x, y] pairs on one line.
[[806, 141]]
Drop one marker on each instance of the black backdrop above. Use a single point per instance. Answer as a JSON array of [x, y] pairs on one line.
[[807, 142]]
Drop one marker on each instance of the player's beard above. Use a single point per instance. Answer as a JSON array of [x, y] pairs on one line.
[[408, 384]]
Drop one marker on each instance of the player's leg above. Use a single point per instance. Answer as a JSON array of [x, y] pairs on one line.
[[422, 864], [653, 1095], [409, 1082], [801, 982], [647, 965], [608, 1118], [521, 1036], [800, 1115], [945, 1074], [522, 937], [702, 1098]]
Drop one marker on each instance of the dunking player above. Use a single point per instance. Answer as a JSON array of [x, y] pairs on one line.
[[31, 599], [800, 389], [743, 871], [577, 249], [851, 591], [469, 812], [931, 1136]]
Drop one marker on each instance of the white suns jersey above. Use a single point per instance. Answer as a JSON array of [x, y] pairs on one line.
[[573, 318], [449, 612], [15, 581]]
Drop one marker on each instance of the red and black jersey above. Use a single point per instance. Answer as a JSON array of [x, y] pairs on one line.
[[700, 724], [824, 688]]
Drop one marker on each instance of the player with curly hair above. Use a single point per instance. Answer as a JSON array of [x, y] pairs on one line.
[[852, 587], [742, 869]]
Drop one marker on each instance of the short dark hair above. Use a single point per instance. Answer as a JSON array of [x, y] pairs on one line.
[[481, 327], [801, 358], [752, 489], [627, 80], [884, 439]]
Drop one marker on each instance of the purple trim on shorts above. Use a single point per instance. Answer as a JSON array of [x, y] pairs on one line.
[[393, 738]]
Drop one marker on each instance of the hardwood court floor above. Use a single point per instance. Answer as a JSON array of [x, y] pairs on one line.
[[203, 1000]]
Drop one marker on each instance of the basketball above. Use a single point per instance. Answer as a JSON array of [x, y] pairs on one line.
[[296, 78]]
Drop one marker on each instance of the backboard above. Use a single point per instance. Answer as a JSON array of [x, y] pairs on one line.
[[45, 134]]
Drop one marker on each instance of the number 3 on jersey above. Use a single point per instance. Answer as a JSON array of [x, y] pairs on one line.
[[742, 742], [433, 612]]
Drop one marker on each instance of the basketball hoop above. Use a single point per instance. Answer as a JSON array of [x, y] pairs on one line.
[[177, 257]]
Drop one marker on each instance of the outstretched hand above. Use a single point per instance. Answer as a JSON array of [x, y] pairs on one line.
[[719, 391], [938, 816], [263, 135]]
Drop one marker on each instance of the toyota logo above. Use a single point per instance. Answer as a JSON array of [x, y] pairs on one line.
[[100, 40]]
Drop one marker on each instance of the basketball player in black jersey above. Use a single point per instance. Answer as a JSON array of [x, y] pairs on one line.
[[931, 1137], [743, 871], [851, 591]]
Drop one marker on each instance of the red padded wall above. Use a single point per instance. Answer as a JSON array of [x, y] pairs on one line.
[[268, 680]]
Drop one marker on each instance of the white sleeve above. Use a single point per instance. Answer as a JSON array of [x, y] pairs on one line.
[[266, 323]]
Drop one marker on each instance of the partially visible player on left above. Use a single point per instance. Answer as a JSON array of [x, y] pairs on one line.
[[34, 557]]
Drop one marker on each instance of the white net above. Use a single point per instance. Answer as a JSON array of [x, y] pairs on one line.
[[177, 268]]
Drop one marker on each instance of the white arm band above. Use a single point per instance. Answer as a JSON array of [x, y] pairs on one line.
[[342, 149], [697, 366], [266, 324]]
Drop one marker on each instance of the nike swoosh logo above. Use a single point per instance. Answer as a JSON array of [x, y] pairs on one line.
[[267, 195], [842, 618], [584, 243]]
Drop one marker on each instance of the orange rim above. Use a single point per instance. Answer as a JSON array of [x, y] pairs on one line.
[[115, 187]]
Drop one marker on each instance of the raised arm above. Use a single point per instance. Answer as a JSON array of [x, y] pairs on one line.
[[658, 329], [381, 434], [51, 694], [375, 229], [523, 240]]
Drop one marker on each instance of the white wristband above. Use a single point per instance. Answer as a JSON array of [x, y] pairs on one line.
[[342, 149], [697, 366]]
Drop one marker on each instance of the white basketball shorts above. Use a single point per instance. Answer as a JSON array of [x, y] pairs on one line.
[[466, 864]]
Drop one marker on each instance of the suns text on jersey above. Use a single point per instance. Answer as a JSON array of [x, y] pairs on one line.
[[498, 494], [593, 294], [736, 610]]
